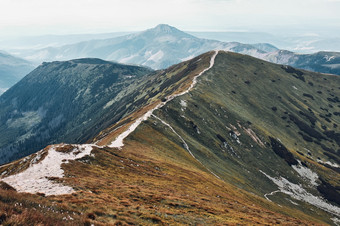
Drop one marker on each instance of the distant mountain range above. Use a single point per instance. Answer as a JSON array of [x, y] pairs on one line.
[[12, 69], [163, 46], [220, 139], [158, 48], [299, 43]]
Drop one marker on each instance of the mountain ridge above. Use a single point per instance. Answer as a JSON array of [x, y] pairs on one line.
[[200, 154]]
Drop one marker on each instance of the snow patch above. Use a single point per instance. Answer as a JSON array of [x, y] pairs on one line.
[[299, 193], [306, 173], [35, 178], [329, 163], [329, 58], [184, 103], [336, 220]]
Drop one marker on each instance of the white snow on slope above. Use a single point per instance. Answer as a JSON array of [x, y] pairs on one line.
[[35, 178], [299, 193], [329, 163], [118, 142], [306, 173], [183, 103]]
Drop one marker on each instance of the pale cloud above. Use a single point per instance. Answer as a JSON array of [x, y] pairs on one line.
[[79, 16]]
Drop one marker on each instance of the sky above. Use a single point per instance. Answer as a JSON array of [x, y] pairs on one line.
[[38, 17]]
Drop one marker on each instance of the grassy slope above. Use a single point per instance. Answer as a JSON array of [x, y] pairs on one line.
[[140, 185], [153, 179], [239, 94]]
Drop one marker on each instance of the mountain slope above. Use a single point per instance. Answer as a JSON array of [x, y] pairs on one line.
[[247, 136], [246, 116], [64, 101], [12, 69]]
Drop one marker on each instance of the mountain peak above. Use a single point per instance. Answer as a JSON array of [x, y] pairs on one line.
[[165, 28]]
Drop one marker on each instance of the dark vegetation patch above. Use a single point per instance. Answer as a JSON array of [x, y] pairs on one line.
[[329, 192], [311, 83], [221, 138], [306, 137], [319, 92], [296, 73], [324, 147], [306, 128], [328, 115], [333, 135], [282, 151], [332, 157], [91, 216], [334, 99], [274, 108], [309, 116], [247, 82], [308, 95], [300, 153], [325, 117], [3, 218]]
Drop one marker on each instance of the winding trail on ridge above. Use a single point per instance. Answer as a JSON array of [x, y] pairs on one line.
[[35, 179], [118, 142]]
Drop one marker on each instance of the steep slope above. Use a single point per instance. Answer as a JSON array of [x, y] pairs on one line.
[[12, 69], [159, 47], [151, 179], [65, 101], [247, 136], [250, 122]]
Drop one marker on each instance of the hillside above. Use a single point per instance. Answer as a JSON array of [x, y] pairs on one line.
[[12, 69], [251, 142], [64, 102]]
